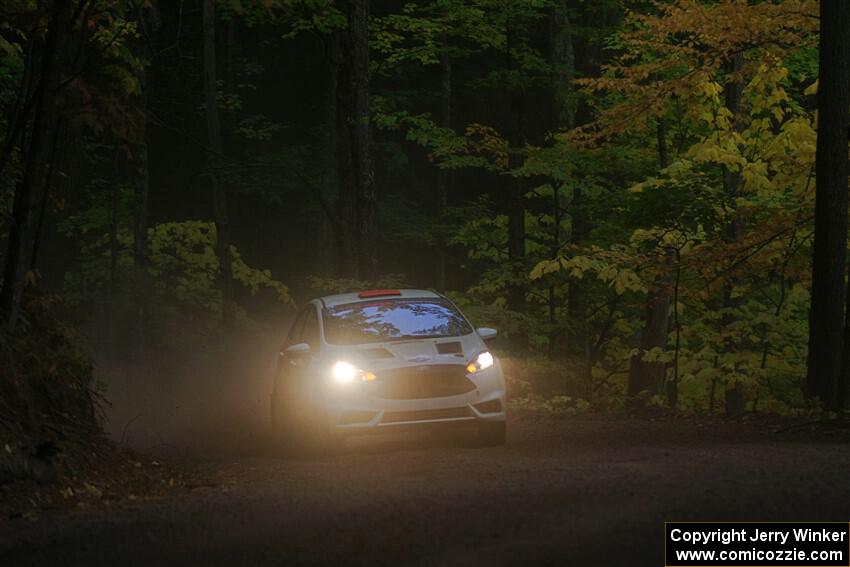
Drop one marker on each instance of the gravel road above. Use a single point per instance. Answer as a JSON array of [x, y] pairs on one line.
[[582, 491]]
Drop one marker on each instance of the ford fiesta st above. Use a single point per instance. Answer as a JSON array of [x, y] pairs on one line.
[[382, 360]]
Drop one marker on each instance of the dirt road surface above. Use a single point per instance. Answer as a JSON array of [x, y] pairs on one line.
[[581, 491]]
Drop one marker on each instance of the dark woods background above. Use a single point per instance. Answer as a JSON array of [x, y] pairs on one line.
[[625, 189]]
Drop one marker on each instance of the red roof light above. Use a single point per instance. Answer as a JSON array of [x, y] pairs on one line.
[[378, 293]]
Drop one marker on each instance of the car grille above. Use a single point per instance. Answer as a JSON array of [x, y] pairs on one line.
[[430, 381], [424, 415]]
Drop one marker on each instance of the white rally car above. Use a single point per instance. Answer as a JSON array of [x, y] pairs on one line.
[[382, 360]]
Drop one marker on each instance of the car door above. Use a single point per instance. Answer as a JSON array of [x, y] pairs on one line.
[[303, 364], [296, 388], [285, 388]]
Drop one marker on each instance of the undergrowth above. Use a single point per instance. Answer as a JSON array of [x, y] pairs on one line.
[[49, 412]]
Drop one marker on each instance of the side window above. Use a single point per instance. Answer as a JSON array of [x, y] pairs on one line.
[[296, 331], [311, 329]]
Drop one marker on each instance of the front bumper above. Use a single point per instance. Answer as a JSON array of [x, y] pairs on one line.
[[353, 411]]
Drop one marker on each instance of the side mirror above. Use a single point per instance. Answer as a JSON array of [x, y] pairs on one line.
[[486, 333], [298, 349]]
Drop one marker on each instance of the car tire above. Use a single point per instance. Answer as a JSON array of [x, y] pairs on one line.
[[281, 429], [316, 440], [492, 433]]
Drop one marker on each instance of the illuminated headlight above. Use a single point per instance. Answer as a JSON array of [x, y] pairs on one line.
[[345, 373], [480, 362]]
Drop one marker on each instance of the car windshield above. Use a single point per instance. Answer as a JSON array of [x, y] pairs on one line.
[[395, 319]]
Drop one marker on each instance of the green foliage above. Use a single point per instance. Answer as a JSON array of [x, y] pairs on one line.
[[721, 232], [556, 405], [740, 265], [184, 265], [423, 32], [733, 263], [538, 385], [607, 266], [479, 147], [321, 16], [328, 286]]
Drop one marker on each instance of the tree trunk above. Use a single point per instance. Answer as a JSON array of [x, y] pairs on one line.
[[443, 174], [45, 197], [673, 384], [647, 375], [141, 191], [230, 122], [514, 186], [327, 241], [367, 225], [29, 191], [219, 191], [141, 186], [516, 223], [661, 137], [347, 251], [149, 22], [114, 244], [827, 332], [357, 203], [732, 185], [554, 252], [644, 375], [563, 60], [562, 119], [578, 337], [587, 57]]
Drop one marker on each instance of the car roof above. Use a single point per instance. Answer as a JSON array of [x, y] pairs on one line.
[[343, 298]]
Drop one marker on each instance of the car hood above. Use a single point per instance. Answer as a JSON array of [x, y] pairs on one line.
[[418, 352]]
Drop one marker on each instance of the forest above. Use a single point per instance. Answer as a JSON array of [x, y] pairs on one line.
[[635, 193]]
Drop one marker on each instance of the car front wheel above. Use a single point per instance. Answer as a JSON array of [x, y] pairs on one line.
[[315, 438]]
